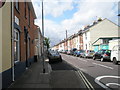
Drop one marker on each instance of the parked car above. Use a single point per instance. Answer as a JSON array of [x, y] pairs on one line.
[[60, 51], [102, 55], [64, 51], [69, 52], [89, 53], [82, 54], [75, 53], [54, 56], [115, 54], [73, 50], [78, 52]]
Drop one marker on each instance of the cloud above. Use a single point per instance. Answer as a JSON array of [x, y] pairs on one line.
[[87, 12]]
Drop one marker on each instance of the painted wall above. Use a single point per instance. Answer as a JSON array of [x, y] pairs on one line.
[[5, 32], [86, 41], [104, 28]]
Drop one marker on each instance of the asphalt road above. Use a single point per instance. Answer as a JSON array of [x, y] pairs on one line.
[[105, 74], [66, 67]]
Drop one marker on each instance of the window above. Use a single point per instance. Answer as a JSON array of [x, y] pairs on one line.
[[28, 47], [17, 20], [86, 46], [105, 41], [17, 4], [86, 36], [16, 46], [28, 16], [25, 9]]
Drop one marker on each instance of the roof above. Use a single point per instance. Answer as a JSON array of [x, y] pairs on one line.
[[86, 30], [105, 38]]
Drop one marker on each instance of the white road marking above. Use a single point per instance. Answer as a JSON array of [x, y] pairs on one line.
[[108, 84], [88, 84], [103, 65], [97, 80]]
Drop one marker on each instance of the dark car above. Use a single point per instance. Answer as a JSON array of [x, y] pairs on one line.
[[102, 55], [73, 50], [54, 56], [78, 52]]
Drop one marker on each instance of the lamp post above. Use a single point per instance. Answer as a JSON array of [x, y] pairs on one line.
[[43, 37], [66, 40]]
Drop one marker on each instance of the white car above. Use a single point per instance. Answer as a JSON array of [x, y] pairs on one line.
[[115, 54]]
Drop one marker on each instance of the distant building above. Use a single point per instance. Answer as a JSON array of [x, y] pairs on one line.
[[104, 30]]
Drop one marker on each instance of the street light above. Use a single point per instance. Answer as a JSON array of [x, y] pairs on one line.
[[43, 37]]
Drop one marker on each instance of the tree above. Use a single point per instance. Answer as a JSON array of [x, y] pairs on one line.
[[47, 42]]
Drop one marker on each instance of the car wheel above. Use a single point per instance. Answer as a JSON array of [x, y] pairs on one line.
[[115, 61], [102, 59], [94, 58]]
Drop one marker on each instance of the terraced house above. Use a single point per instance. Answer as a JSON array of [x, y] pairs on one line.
[[98, 35], [17, 44], [95, 36]]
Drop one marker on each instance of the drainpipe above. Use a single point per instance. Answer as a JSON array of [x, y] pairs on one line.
[[12, 37], [26, 48]]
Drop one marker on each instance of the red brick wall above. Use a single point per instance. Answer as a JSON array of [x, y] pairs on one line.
[[81, 42], [31, 29]]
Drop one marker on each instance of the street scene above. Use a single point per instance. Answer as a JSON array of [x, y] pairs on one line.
[[60, 44]]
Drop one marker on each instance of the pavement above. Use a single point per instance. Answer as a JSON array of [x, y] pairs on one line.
[[34, 77]]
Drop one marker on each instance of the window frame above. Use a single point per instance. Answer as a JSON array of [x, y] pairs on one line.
[[17, 5], [17, 40]]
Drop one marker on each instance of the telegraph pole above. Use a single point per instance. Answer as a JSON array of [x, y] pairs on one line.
[[43, 37], [66, 34], [66, 40]]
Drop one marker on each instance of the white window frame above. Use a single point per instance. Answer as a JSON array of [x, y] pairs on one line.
[[17, 39], [17, 21]]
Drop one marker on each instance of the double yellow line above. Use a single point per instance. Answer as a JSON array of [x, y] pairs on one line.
[[85, 80]]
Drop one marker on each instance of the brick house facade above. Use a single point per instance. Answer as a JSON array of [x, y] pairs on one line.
[[24, 29]]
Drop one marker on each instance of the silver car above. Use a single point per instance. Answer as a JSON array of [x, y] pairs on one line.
[[54, 56]]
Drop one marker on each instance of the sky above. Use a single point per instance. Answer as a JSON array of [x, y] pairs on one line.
[[72, 15]]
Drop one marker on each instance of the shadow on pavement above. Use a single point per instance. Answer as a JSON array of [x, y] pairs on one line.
[[62, 66]]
